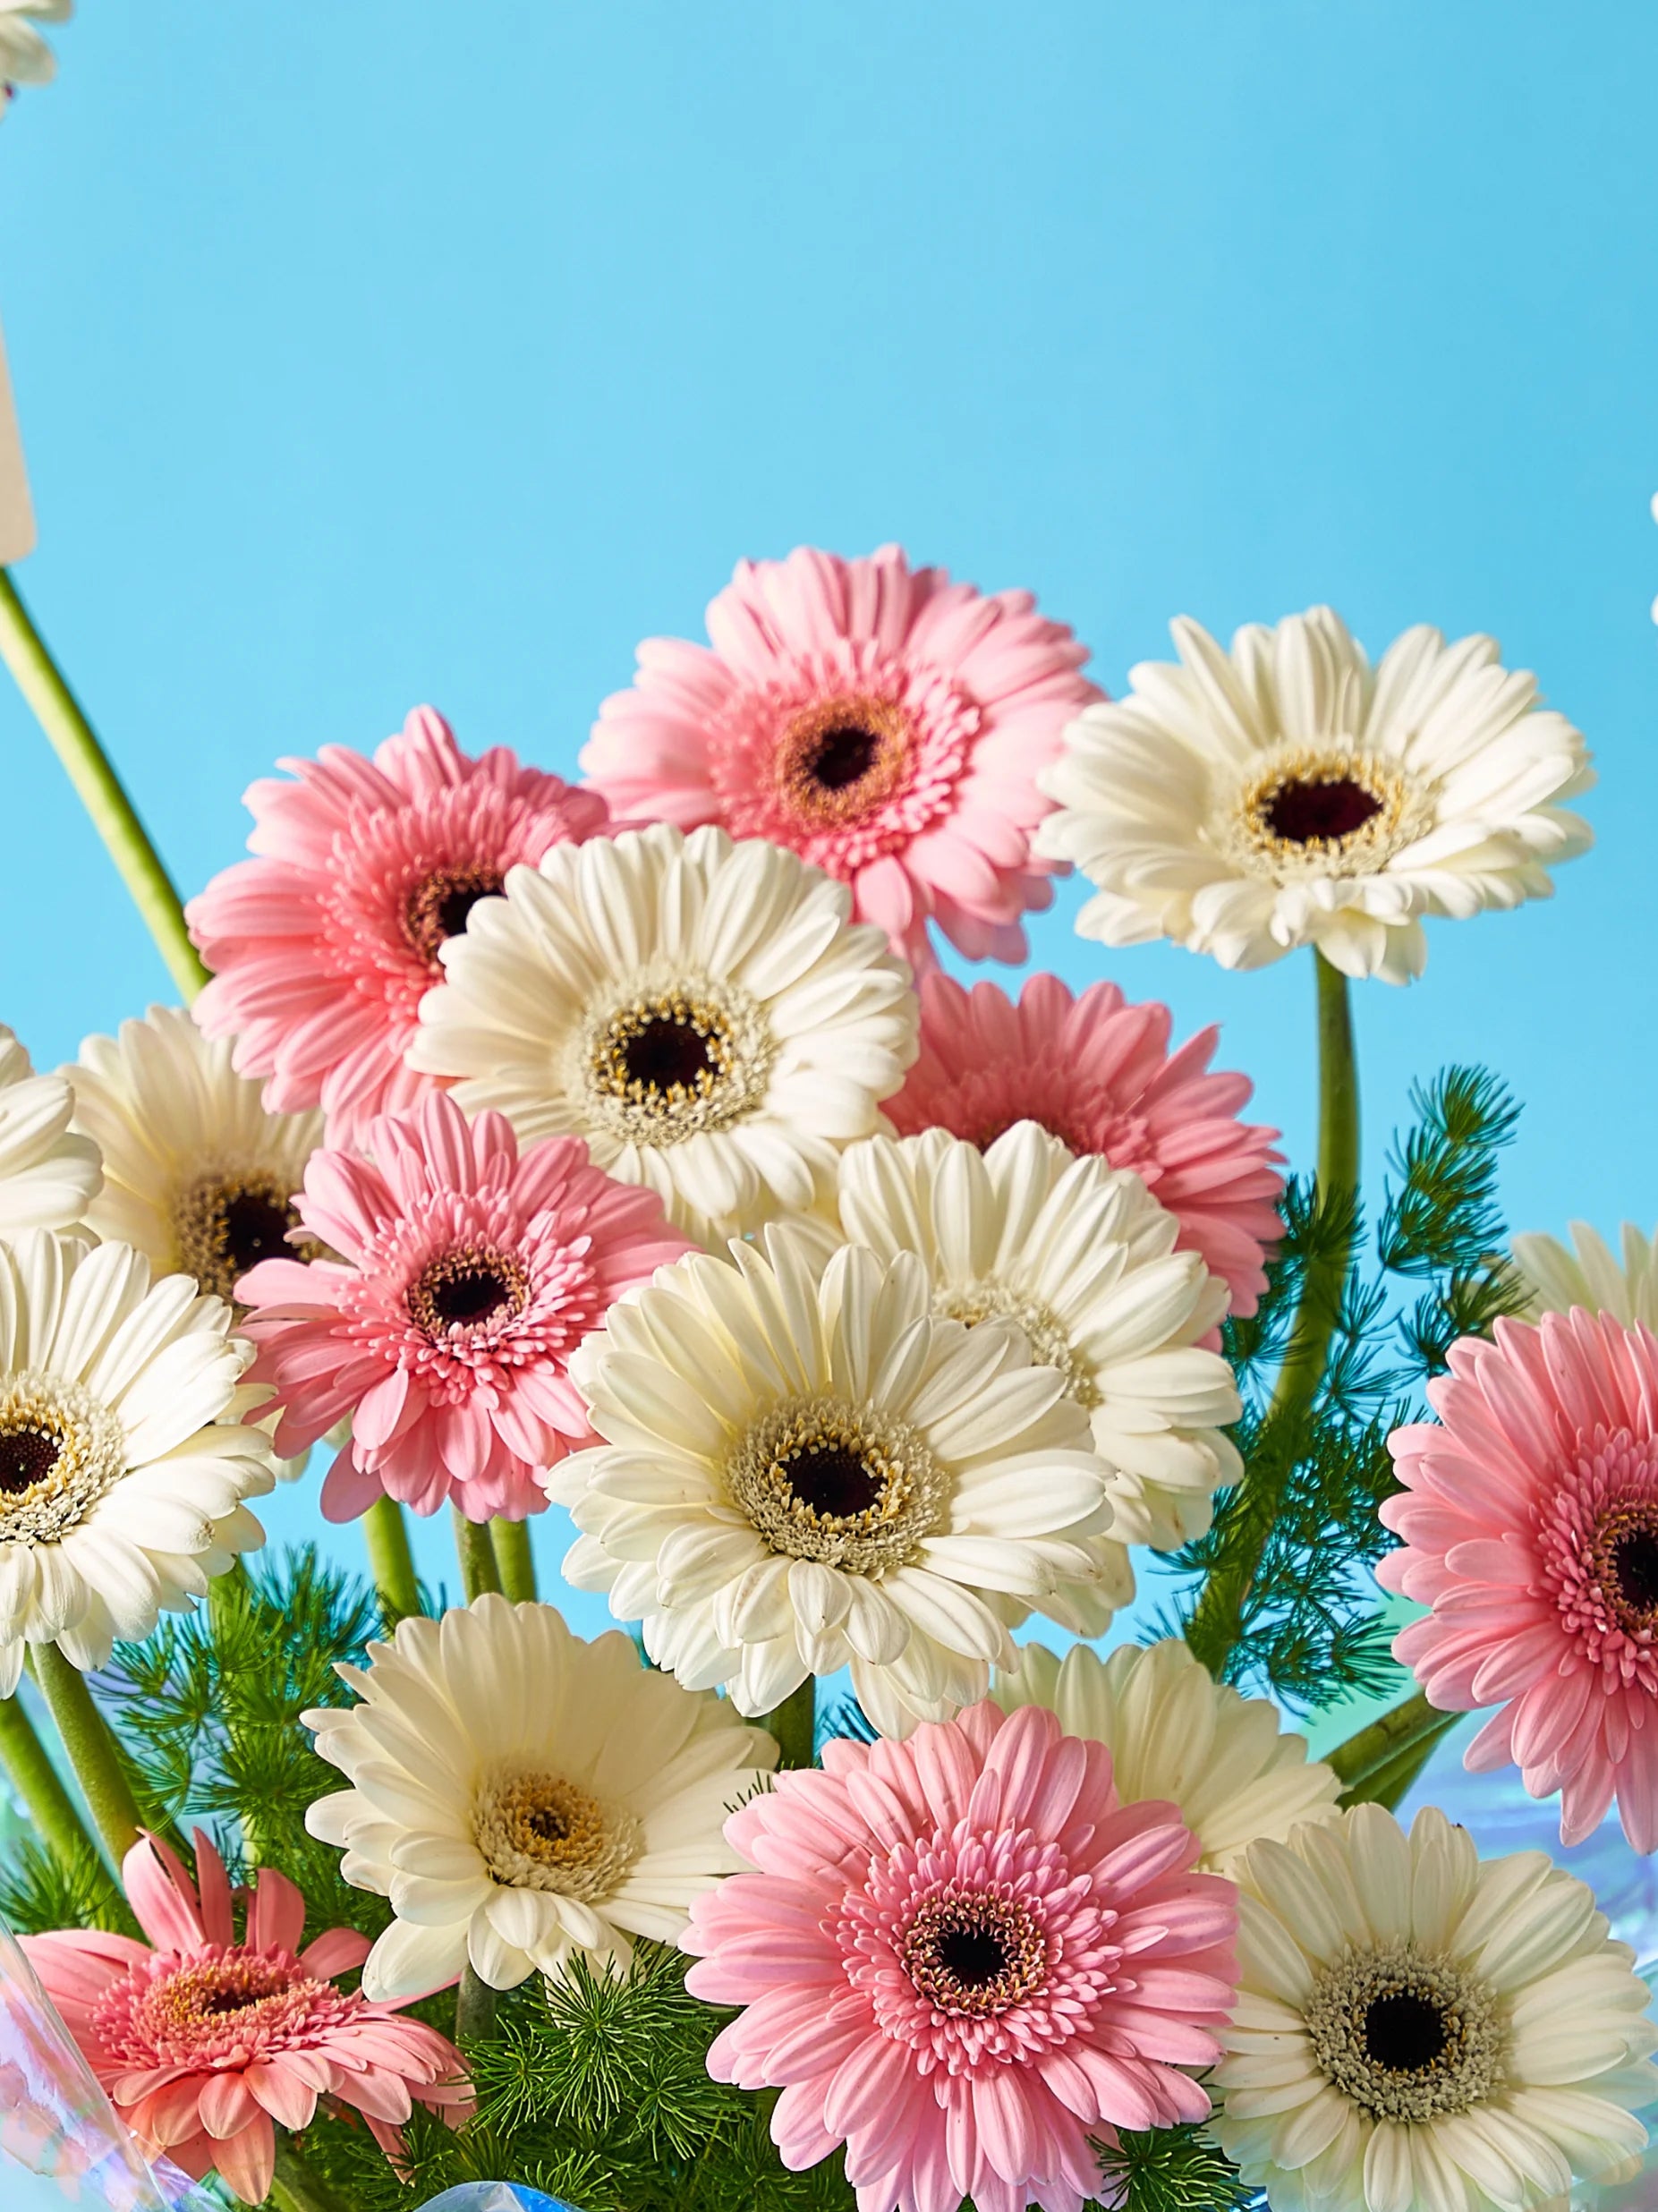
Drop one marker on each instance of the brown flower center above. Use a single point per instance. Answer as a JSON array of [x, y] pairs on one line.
[[975, 1951], [440, 904], [1624, 1555], [1406, 2034], [821, 1479], [464, 1289], [838, 758], [1320, 811], [226, 1224], [27, 1456], [536, 1829]]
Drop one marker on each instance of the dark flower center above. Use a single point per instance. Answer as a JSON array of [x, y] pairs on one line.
[[461, 1289], [842, 757], [549, 1825], [1321, 811], [219, 2002], [27, 1456], [228, 1222], [972, 1956], [839, 759], [665, 1053], [471, 1294], [1634, 1567], [440, 905], [256, 1227], [835, 1483], [1404, 2032], [973, 1953]]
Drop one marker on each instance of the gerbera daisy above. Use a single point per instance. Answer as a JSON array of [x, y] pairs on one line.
[[325, 943], [1287, 794], [25, 57], [1098, 1074], [965, 1961], [1418, 2030], [879, 720], [1587, 1274], [123, 1461], [1081, 1257], [806, 1470], [467, 1274], [204, 2040], [525, 1799], [1530, 1526], [48, 1176], [1175, 1733], [698, 1011]]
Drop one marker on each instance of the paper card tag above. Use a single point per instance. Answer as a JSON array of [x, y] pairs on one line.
[[17, 517]]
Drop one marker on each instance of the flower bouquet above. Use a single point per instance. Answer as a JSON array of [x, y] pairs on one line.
[[989, 1455]]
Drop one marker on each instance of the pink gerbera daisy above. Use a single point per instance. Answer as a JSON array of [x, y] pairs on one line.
[[886, 724], [1530, 1527], [468, 1274], [202, 2042], [1098, 1074], [962, 1959], [323, 945]]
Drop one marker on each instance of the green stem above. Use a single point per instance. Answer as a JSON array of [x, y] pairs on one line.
[[515, 1560], [476, 1552], [475, 2004], [92, 1750], [40, 1786], [1378, 1746], [793, 1724], [1386, 1785], [297, 2188], [1218, 1622], [98, 787], [386, 1532]]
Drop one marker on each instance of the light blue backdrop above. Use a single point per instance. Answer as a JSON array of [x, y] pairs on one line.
[[407, 351]]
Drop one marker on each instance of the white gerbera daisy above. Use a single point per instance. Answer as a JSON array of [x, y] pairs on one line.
[[522, 1797], [1287, 794], [1587, 1274], [196, 1176], [25, 57], [701, 1012], [124, 1462], [48, 1174], [1082, 1256], [1176, 1734], [806, 1469], [1418, 2030]]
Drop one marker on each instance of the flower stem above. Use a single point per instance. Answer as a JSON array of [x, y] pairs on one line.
[[1218, 1622], [40, 1786], [1391, 1751], [514, 1558], [795, 1723], [391, 1562], [476, 1552], [475, 2008], [297, 2188], [92, 1750], [98, 787]]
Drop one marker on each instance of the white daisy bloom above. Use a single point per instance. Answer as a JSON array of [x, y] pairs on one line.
[[1421, 2031], [1588, 1274], [701, 1012], [124, 1462], [25, 57], [48, 1176], [1176, 1734], [1288, 794], [1081, 1257], [522, 1797], [804, 1470]]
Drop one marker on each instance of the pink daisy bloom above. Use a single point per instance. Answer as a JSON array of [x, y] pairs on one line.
[[468, 1272], [323, 945], [882, 722], [1098, 1074], [1530, 1526], [201, 2042], [962, 1959]]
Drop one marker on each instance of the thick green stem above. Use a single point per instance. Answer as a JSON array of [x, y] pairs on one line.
[[475, 2006], [1218, 1621], [297, 2188], [40, 1786], [93, 1753], [474, 1547], [794, 1724], [514, 1558], [1366, 1758], [391, 1562], [98, 787]]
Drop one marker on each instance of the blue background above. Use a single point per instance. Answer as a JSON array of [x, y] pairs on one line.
[[407, 351]]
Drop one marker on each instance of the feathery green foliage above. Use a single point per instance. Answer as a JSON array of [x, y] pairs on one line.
[[1173, 2170], [40, 1891]]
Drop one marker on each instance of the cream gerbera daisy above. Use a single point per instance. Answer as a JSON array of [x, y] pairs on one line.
[[1178, 1735], [124, 1462], [804, 1468], [1418, 2030], [48, 1175], [523, 1798], [196, 1176], [1288, 794], [1082, 1256], [701, 1012], [1587, 1273]]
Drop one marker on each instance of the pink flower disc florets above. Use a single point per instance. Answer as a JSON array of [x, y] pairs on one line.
[[325, 944], [886, 724], [963, 1960], [468, 1275]]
